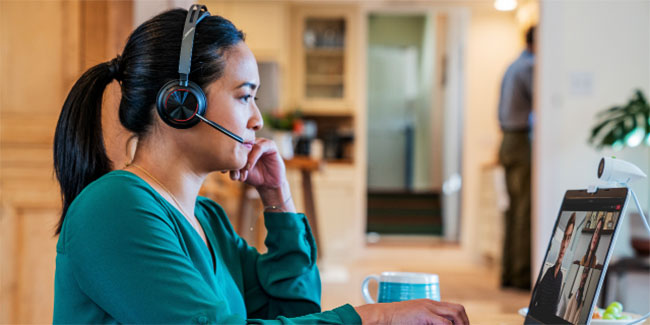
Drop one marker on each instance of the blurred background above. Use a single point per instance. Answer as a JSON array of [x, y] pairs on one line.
[[386, 112]]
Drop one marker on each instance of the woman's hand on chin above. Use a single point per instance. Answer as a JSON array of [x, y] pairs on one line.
[[265, 171], [264, 168]]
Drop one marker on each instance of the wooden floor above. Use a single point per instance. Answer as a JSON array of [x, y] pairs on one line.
[[461, 282]]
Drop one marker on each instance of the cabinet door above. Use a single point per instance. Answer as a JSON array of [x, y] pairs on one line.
[[264, 23], [266, 27], [336, 212], [341, 228], [323, 54]]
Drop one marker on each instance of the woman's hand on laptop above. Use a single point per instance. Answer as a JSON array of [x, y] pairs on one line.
[[419, 311]]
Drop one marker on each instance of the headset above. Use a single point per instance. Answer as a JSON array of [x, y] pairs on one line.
[[182, 103]]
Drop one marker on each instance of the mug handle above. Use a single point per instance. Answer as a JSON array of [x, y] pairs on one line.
[[364, 288]]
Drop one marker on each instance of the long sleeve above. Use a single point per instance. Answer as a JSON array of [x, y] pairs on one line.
[[284, 282], [527, 80]]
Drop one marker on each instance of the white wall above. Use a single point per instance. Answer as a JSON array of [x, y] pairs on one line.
[[606, 44], [494, 41]]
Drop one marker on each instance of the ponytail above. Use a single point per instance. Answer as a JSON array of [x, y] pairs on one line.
[[79, 152]]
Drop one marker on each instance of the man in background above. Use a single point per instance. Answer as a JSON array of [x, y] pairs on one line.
[[515, 106]]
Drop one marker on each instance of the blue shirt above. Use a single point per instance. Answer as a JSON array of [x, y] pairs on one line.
[[516, 100]]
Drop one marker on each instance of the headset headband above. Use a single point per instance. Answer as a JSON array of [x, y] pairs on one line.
[[194, 16]]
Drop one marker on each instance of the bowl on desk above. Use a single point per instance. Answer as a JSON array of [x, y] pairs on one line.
[[524, 311], [633, 317]]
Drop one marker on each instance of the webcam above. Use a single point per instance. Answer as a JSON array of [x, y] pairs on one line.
[[618, 171]]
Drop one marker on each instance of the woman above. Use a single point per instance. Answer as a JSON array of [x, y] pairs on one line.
[[576, 300], [546, 295], [137, 245], [590, 259]]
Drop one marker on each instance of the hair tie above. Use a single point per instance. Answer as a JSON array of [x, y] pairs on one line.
[[114, 68]]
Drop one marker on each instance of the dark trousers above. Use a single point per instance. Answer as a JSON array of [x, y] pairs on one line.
[[514, 155]]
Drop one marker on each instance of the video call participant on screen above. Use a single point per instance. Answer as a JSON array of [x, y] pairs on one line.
[[547, 293], [590, 259], [576, 301]]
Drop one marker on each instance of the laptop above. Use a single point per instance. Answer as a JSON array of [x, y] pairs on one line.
[[577, 257]]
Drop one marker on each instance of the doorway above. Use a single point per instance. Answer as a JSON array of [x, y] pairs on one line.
[[413, 134]]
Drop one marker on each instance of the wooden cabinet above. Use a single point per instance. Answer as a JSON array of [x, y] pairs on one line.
[[337, 204], [264, 23], [322, 76], [266, 26]]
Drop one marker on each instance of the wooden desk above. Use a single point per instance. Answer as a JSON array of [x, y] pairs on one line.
[[496, 319]]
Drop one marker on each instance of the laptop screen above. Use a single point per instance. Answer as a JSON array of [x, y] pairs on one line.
[[577, 257]]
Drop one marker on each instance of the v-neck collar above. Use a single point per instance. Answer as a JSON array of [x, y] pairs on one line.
[[209, 235]]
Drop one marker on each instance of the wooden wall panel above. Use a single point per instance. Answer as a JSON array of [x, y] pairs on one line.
[[36, 256], [46, 46], [43, 56], [32, 29], [23, 128], [8, 267]]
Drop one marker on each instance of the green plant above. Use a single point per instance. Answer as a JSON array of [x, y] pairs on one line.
[[620, 126], [284, 122]]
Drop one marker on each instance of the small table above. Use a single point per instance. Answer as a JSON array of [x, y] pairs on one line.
[[306, 166], [619, 267]]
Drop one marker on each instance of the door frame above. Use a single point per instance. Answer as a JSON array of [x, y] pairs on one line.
[[456, 39]]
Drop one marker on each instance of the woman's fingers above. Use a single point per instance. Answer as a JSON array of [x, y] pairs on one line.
[[451, 311], [258, 150], [260, 147], [463, 313], [441, 320]]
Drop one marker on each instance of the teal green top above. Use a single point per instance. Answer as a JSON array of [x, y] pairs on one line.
[[125, 255]]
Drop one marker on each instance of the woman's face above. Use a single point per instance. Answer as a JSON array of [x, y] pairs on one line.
[[231, 104]]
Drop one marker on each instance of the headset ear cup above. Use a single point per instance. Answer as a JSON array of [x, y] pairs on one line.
[[178, 105], [200, 98]]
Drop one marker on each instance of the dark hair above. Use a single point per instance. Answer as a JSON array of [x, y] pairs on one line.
[[149, 60], [571, 221], [590, 254], [530, 36]]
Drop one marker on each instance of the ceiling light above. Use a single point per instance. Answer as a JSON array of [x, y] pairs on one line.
[[505, 5]]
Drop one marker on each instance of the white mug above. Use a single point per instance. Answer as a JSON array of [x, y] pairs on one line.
[[400, 286]]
